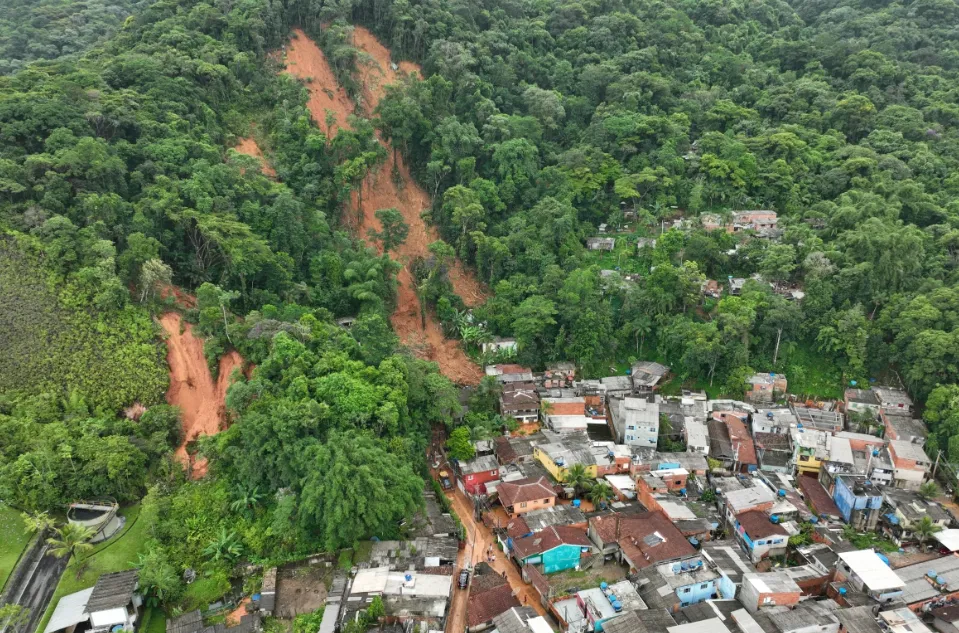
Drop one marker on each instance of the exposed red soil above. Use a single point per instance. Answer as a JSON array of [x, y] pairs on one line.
[[183, 299], [192, 389], [249, 147], [305, 61], [378, 191], [233, 617]]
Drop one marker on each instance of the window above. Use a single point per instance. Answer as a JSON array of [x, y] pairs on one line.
[[630, 438], [760, 542], [804, 458], [523, 504], [704, 585], [684, 604], [686, 590], [767, 600], [469, 477]]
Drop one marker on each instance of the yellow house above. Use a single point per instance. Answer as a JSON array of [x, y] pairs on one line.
[[557, 458], [811, 450]]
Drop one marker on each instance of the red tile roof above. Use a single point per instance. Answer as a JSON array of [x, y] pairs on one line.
[[504, 450], [550, 538], [490, 595], [758, 525], [567, 408], [817, 497], [650, 534], [738, 435], [513, 492], [517, 528]]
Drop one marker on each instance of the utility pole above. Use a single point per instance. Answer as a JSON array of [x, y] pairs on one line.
[[934, 468]]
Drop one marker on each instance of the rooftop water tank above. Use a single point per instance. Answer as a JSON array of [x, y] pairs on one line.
[[814, 519], [603, 586], [617, 606], [774, 518], [782, 493], [842, 591], [875, 452], [576, 503], [931, 573]]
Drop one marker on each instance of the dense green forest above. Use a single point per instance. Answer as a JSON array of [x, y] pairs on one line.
[[536, 122], [31, 30]]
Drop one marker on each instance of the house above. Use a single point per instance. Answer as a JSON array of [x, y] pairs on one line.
[[772, 589], [691, 582], [766, 387], [601, 243], [559, 375], [509, 372], [774, 452], [711, 221], [477, 472], [556, 548], [647, 375], [868, 573], [740, 445], [902, 620], [521, 620], [948, 540], [624, 487], [563, 451], [564, 414], [858, 500], [407, 595], [735, 502], [930, 582], [645, 242], [634, 421], [910, 464], [753, 221], [807, 617], [900, 425], [759, 536], [520, 401], [601, 604], [711, 288], [192, 622], [616, 386], [818, 419], [818, 498], [696, 436], [945, 619], [729, 563], [115, 602], [810, 449], [735, 285], [640, 540], [499, 344], [565, 515], [892, 398], [526, 495], [516, 450], [857, 620], [490, 595], [773, 420], [903, 509], [862, 401]]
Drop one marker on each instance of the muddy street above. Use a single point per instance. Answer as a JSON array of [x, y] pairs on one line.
[[478, 540]]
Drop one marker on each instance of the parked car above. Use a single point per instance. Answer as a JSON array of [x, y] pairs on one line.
[[464, 579], [445, 480]]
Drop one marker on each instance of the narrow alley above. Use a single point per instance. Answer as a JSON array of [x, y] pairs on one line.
[[478, 540]]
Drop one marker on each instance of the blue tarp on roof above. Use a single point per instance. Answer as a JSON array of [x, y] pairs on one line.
[[893, 518]]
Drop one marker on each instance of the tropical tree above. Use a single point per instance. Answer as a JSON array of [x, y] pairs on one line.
[[924, 529], [459, 446], [929, 490], [225, 547], [37, 521], [600, 494], [578, 479], [395, 229], [71, 542], [247, 499]]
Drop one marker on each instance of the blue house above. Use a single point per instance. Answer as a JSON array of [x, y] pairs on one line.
[[858, 500], [760, 536], [692, 581], [556, 548]]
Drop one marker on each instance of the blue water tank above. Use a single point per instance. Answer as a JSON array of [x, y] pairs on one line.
[[576, 503], [682, 491], [603, 586], [782, 493], [883, 558], [814, 519], [842, 591], [617, 606], [408, 577], [774, 518], [256, 597]]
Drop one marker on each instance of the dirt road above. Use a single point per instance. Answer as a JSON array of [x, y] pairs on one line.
[[478, 540], [192, 389]]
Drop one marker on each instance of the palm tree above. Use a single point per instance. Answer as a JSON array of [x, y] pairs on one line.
[[577, 478], [924, 529], [600, 494], [928, 490], [70, 542]]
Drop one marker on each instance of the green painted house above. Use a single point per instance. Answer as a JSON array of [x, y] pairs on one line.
[[555, 548]]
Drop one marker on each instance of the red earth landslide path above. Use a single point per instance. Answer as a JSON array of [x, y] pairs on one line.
[[192, 389], [378, 191], [249, 147]]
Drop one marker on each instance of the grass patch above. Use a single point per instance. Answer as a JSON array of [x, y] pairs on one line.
[[810, 374], [364, 551], [13, 538], [153, 621], [569, 580], [116, 554], [345, 559]]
